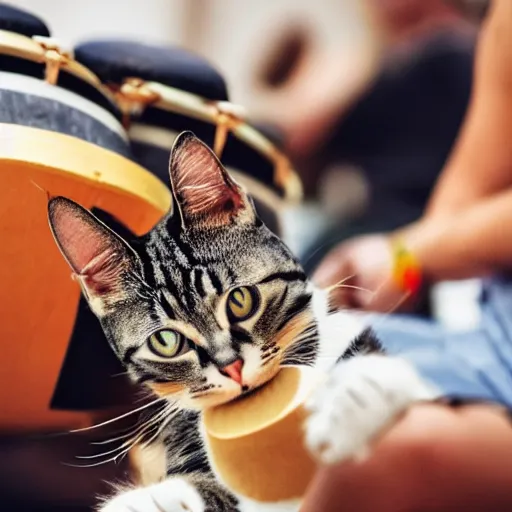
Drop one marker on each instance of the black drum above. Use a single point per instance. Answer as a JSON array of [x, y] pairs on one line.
[[166, 90]]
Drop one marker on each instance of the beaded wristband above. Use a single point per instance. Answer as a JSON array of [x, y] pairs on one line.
[[406, 267]]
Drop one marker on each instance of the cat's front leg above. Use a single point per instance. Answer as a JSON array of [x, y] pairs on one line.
[[361, 397], [194, 492], [175, 494]]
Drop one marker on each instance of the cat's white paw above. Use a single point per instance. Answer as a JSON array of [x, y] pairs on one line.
[[172, 495], [361, 397]]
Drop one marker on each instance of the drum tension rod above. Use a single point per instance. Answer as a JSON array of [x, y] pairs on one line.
[[132, 97], [227, 116], [54, 58]]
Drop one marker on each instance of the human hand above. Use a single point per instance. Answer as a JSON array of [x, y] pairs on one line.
[[360, 271]]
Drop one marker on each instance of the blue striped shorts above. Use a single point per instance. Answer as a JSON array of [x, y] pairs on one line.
[[475, 365]]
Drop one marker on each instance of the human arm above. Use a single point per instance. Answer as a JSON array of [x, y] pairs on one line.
[[475, 242], [463, 233], [480, 164]]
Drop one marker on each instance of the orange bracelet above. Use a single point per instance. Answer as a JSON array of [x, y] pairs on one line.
[[406, 267]]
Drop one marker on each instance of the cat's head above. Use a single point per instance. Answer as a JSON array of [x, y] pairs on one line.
[[209, 304]]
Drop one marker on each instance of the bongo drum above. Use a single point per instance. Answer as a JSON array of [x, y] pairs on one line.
[[60, 134], [163, 91]]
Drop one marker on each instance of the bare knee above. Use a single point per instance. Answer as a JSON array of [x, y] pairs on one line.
[[432, 459], [450, 458], [388, 481]]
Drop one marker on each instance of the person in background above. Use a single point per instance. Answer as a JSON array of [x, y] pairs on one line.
[[398, 27], [372, 161], [461, 233], [440, 458]]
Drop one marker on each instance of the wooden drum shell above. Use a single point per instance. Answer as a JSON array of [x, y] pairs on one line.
[[38, 298]]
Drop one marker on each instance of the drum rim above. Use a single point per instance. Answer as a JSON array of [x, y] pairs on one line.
[[32, 49], [256, 187], [87, 159], [154, 95], [134, 95]]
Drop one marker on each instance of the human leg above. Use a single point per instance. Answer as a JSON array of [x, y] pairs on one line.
[[435, 458]]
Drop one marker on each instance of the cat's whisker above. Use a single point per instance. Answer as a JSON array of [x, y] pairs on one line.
[[111, 440], [143, 394], [159, 430], [353, 287], [340, 282], [155, 436], [130, 443], [133, 431], [303, 350], [99, 455], [80, 466], [117, 418], [393, 308], [316, 251], [398, 303], [383, 316], [120, 374], [141, 429], [41, 189], [201, 395]]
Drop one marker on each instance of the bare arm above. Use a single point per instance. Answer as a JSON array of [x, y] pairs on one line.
[[481, 163], [467, 229], [475, 242]]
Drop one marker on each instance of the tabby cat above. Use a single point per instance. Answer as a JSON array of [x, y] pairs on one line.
[[210, 305]]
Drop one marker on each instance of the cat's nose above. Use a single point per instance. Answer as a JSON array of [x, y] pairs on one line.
[[234, 370]]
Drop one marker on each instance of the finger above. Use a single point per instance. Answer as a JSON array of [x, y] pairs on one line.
[[333, 268], [342, 293], [343, 297]]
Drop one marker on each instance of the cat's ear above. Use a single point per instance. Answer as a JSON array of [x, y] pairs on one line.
[[205, 194], [96, 255]]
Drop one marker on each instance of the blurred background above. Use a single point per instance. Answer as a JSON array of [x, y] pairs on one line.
[[368, 94], [367, 97]]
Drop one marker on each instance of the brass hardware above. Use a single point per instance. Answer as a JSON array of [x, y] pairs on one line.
[[45, 50], [54, 57], [228, 116], [133, 96], [282, 169]]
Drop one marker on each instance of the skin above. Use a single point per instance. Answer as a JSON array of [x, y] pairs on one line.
[[480, 163], [464, 231], [434, 459], [438, 458]]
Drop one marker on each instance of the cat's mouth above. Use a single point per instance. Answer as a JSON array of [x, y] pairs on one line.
[[248, 391]]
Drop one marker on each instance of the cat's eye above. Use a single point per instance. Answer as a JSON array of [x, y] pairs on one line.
[[167, 343], [242, 303]]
